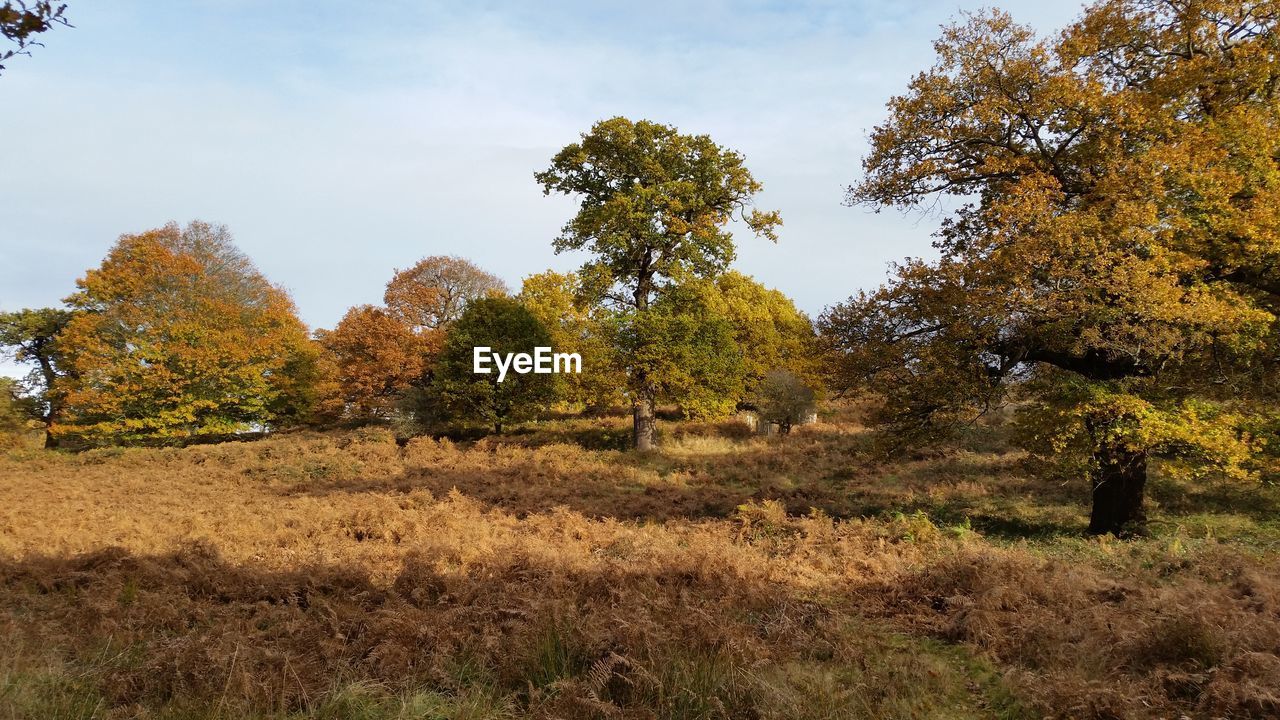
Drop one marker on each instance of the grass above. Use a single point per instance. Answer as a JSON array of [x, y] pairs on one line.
[[548, 574]]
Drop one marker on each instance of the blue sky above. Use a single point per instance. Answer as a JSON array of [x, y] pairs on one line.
[[341, 141]]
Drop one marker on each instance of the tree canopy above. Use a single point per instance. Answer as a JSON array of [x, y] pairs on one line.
[[505, 326], [436, 290], [376, 358], [769, 331], [15, 415], [576, 324], [31, 336], [1114, 249], [684, 354], [177, 335], [783, 398]]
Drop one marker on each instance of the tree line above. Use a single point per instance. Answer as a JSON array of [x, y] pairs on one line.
[[1110, 272], [176, 335]]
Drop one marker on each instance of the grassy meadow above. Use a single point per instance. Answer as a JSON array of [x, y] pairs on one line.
[[549, 574]]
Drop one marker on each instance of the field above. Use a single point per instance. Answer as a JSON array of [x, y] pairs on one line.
[[548, 574]]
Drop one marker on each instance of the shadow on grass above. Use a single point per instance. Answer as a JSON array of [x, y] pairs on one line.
[[188, 634]]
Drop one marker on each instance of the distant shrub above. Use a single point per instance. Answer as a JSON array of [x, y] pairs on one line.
[[785, 400]]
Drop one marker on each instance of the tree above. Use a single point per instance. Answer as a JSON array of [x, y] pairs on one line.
[[377, 358], [685, 353], [177, 335], [654, 209], [770, 332], [19, 21], [434, 292], [15, 414], [32, 338], [1115, 254], [577, 325], [506, 327], [784, 399]]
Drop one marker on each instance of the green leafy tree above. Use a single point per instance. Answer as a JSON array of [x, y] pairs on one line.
[[31, 337], [686, 353], [654, 209], [15, 414], [1115, 253], [505, 326]]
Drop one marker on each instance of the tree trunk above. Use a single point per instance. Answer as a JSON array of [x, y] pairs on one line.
[[50, 417], [1119, 478], [642, 422], [642, 427]]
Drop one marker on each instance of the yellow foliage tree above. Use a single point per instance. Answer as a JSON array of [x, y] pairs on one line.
[[577, 325], [1116, 249], [770, 332]]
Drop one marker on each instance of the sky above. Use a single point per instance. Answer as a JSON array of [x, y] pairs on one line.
[[340, 141]]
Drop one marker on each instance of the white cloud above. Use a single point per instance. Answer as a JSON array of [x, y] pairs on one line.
[[339, 152]]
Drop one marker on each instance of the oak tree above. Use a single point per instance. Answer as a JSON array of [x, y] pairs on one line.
[[654, 209], [685, 352], [1114, 246], [21, 21]]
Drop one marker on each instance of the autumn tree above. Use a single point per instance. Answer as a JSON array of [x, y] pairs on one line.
[[21, 21], [178, 335], [576, 324], [769, 331], [654, 209], [31, 338], [15, 413], [505, 326], [436, 290], [383, 357], [1113, 250], [376, 358]]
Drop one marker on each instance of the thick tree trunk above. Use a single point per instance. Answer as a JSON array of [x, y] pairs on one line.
[[1119, 479], [642, 428], [642, 421]]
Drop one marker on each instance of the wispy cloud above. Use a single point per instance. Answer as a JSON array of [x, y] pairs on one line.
[[339, 145]]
